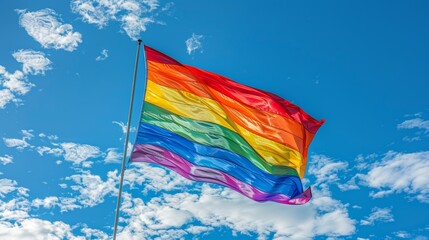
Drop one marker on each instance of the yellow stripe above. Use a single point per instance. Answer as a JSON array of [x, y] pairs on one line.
[[204, 109]]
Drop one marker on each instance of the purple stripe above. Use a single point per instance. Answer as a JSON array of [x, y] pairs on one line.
[[158, 155]]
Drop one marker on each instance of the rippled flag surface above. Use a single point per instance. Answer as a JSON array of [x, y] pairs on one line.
[[209, 128]]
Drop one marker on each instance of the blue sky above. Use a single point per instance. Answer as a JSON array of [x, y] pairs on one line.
[[65, 78]]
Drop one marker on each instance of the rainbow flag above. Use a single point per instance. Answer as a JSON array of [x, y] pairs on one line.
[[209, 128]]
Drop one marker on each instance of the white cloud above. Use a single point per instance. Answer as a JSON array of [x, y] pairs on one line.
[[400, 173], [68, 204], [326, 171], [153, 4], [133, 15], [47, 202], [14, 210], [6, 96], [7, 186], [103, 55], [27, 134], [16, 223], [167, 7], [50, 137], [378, 215], [421, 238], [64, 203], [133, 24], [123, 127], [94, 234], [16, 82], [222, 207], [196, 230], [6, 159], [19, 144], [159, 178], [46, 27], [194, 43], [402, 234], [78, 153], [113, 156], [38, 229], [33, 62], [411, 139], [418, 123], [51, 151], [92, 189], [350, 184]]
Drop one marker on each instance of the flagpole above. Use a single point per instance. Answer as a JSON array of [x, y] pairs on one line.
[[118, 203]]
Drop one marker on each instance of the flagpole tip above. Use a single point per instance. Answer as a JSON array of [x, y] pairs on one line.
[[140, 41]]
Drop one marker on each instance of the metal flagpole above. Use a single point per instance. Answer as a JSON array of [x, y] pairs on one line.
[[118, 204]]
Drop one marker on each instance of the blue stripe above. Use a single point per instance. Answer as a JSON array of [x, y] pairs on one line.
[[219, 159]]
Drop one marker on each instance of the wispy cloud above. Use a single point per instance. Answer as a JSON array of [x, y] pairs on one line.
[[7, 186], [378, 215], [22, 143], [48, 202], [194, 43], [16, 83], [46, 27], [402, 234], [6, 96], [6, 159], [49, 150], [19, 144], [133, 15], [79, 153], [91, 233], [92, 189], [400, 173], [103, 55], [33, 62], [49, 137], [123, 127], [113, 156], [417, 123], [326, 170]]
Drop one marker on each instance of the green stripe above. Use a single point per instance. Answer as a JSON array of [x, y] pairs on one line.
[[209, 134]]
